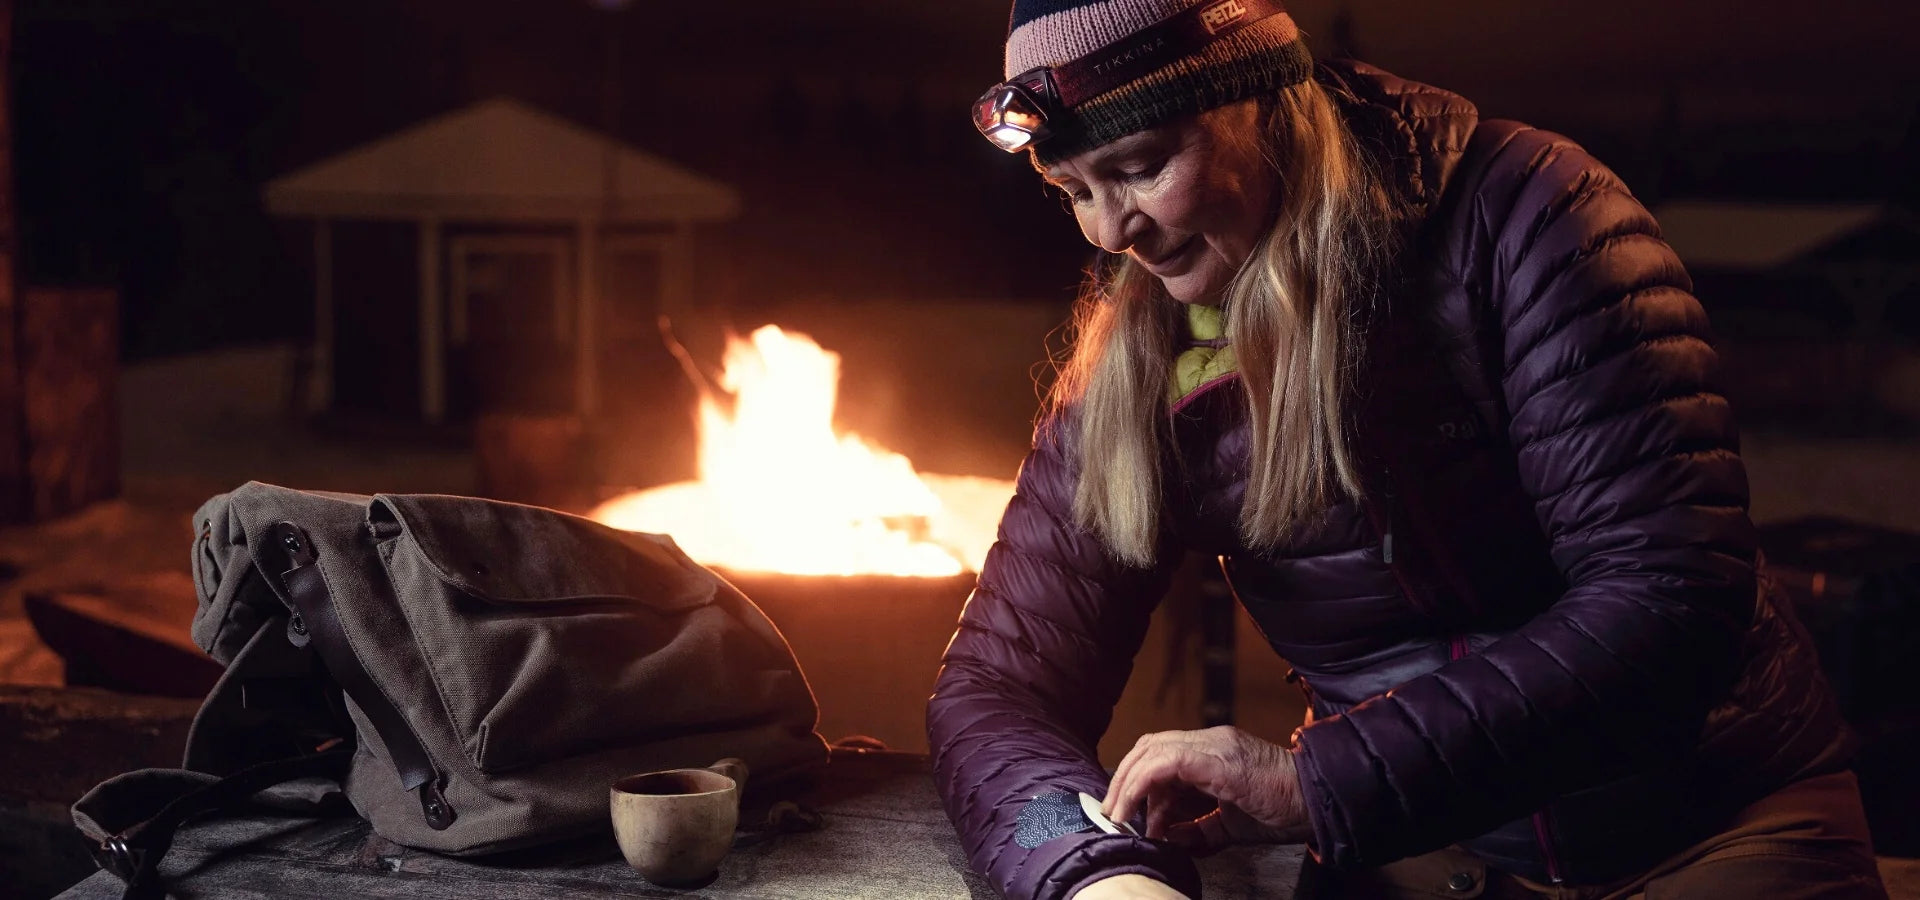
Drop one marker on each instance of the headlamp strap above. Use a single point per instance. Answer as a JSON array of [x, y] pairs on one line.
[[1137, 54]]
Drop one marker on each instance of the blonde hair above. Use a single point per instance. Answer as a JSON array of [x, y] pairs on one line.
[[1295, 316]]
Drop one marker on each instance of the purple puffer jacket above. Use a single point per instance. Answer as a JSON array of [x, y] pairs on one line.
[[1548, 639]]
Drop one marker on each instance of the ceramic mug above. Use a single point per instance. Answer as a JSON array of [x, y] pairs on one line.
[[675, 826]]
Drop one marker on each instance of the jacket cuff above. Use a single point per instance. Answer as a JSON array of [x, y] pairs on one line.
[[1058, 868], [1330, 842]]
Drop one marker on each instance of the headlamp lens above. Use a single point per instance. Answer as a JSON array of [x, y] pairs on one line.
[[1010, 138]]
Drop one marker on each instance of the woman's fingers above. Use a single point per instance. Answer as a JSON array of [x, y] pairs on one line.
[[1144, 745], [1153, 764], [1119, 803], [1119, 778], [1109, 807], [1158, 774], [1176, 757]]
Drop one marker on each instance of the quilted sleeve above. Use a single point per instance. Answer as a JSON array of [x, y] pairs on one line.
[[1631, 459], [1028, 685]]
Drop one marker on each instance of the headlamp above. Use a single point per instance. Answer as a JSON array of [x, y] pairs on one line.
[[1013, 114]]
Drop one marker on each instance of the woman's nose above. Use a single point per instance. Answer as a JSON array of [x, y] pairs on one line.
[[1116, 226]]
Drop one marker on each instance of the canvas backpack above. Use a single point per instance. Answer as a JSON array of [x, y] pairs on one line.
[[473, 674]]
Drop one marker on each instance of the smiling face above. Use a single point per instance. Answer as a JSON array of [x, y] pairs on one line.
[[1187, 200]]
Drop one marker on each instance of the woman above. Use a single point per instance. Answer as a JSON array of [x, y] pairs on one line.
[[1438, 395]]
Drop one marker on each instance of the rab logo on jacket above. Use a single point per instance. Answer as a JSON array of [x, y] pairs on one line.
[[1464, 429], [1222, 14]]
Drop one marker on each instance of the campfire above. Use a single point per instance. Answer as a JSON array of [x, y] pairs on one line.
[[780, 491]]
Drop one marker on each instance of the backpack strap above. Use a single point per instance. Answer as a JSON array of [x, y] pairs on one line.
[[133, 817], [317, 621]]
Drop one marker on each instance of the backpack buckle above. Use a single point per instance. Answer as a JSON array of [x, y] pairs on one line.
[[119, 858]]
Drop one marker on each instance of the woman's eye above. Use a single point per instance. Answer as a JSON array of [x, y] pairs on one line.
[[1075, 197], [1144, 172]]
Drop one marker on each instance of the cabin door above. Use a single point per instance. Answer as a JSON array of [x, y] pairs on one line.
[[510, 324]]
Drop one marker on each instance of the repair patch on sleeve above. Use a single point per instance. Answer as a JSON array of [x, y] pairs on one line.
[[1049, 816]]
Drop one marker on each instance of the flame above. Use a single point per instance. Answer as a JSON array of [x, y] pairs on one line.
[[780, 491]]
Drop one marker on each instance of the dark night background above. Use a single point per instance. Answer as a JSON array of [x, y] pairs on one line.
[[146, 129]]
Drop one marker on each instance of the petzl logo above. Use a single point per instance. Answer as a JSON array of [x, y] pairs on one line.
[[1222, 14]]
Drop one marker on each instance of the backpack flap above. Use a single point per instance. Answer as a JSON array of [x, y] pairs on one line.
[[616, 639], [506, 553]]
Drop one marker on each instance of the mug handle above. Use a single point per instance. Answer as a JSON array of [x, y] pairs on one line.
[[733, 767]]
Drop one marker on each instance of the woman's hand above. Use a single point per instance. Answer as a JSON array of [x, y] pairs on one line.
[[1253, 781], [1128, 887]]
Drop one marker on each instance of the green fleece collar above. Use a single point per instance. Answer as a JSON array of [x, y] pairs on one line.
[[1198, 365]]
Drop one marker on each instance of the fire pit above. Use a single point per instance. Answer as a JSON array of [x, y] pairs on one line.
[[870, 645]]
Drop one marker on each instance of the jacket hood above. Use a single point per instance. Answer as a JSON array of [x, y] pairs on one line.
[[1416, 132]]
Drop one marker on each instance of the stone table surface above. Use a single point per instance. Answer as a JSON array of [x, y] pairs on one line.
[[885, 836]]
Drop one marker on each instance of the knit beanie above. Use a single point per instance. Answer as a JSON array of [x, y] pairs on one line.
[[1232, 50]]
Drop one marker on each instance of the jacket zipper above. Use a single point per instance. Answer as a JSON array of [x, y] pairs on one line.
[[1387, 522], [1411, 519]]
